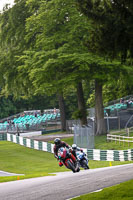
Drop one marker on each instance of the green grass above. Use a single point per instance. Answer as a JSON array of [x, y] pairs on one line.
[[101, 143], [131, 134], [19, 159], [34, 163], [123, 191]]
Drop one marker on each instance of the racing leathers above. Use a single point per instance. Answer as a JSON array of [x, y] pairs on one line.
[[75, 150], [56, 148]]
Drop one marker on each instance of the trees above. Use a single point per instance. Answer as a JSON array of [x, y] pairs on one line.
[[111, 36], [56, 59], [114, 22], [42, 60], [12, 44], [50, 47]]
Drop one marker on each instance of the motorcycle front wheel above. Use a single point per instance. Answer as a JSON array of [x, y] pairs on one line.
[[84, 164], [71, 166]]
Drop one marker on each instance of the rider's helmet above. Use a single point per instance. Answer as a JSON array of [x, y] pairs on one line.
[[57, 141], [74, 146]]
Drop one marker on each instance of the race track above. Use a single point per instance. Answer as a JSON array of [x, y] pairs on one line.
[[65, 185]]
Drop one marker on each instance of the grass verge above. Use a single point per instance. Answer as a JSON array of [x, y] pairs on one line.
[[18, 159], [123, 191]]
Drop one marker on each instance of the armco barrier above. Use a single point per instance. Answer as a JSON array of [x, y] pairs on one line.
[[34, 144], [93, 154], [110, 155]]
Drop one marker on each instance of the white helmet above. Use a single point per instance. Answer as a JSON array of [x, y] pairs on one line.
[[74, 146]]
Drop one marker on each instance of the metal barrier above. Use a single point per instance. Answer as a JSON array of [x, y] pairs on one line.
[[84, 136]]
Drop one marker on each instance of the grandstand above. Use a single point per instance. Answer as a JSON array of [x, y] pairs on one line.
[[112, 109], [120, 112], [117, 114], [117, 105], [30, 121]]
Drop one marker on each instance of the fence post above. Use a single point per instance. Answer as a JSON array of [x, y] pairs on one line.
[[107, 122], [119, 126]]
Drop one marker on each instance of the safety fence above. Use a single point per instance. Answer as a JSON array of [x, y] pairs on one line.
[[93, 154]]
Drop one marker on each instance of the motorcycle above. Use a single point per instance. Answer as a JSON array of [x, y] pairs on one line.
[[82, 160], [64, 156]]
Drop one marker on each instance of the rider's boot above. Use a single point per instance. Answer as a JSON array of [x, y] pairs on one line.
[[60, 164]]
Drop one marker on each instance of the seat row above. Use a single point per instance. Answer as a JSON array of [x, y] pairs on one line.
[[118, 106], [28, 120]]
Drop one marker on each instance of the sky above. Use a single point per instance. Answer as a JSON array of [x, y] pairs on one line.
[[3, 2]]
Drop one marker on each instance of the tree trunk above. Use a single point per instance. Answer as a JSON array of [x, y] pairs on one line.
[[81, 104], [99, 111], [62, 112]]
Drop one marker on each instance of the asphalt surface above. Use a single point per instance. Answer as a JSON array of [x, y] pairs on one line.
[[65, 185], [50, 137]]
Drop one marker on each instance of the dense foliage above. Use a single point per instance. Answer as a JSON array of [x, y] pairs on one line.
[[80, 51]]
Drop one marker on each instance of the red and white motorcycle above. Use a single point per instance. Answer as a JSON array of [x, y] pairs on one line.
[[65, 157]]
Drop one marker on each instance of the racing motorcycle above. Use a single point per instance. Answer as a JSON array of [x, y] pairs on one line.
[[82, 160], [64, 156]]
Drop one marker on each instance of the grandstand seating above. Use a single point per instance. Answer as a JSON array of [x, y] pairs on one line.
[[117, 107], [29, 120]]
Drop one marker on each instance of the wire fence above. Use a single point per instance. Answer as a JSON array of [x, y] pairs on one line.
[[84, 136]]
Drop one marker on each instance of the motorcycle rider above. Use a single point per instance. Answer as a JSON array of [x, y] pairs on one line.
[[76, 152], [59, 144], [75, 149]]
